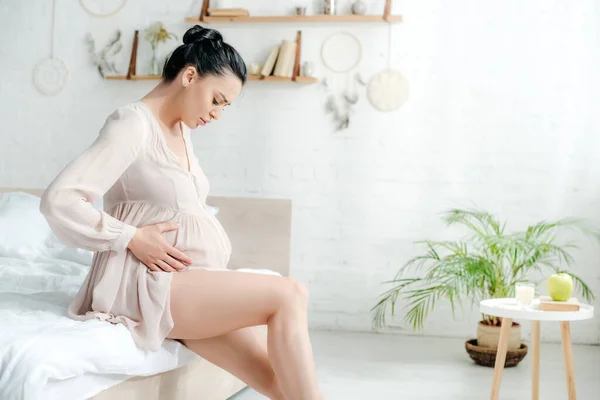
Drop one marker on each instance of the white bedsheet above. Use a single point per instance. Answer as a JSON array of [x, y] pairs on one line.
[[46, 355]]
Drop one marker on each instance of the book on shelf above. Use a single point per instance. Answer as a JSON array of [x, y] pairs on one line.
[[285, 60], [267, 68], [228, 12]]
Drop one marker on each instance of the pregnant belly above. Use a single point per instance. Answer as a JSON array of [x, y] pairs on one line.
[[200, 237]]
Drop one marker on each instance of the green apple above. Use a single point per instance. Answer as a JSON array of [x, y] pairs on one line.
[[560, 286]]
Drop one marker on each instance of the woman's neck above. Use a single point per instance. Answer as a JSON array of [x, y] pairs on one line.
[[163, 101]]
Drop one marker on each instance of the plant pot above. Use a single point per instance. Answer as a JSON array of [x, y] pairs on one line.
[[488, 336], [486, 356]]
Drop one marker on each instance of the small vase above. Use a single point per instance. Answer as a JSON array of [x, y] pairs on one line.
[[330, 7], [359, 7], [308, 69], [154, 67]]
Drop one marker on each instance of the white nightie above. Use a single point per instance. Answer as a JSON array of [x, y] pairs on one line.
[[142, 182]]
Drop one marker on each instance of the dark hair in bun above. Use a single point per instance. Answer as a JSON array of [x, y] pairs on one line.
[[205, 50]]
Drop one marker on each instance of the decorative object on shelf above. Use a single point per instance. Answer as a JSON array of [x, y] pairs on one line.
[[156, 33], [308, 69], [359, 7], [388, 89], [255, 69], [50, 74], [329, 7], [267, 68], [132, 70], [104, 59], [341, 53], [485, 264], [102, 8], [301, 10], [284, 65]]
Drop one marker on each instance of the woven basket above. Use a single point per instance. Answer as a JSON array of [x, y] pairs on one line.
[[486, 356]]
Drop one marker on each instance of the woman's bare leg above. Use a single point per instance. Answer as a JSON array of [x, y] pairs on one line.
[[243, 353], [206, 304]]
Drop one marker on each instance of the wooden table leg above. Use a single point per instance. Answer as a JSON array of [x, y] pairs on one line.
[[535, 360], [501, 356], [565, 333]]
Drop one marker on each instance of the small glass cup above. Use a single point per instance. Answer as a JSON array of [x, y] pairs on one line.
[[524, 293]]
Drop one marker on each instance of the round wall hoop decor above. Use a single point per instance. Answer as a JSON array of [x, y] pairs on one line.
[[341, 52], [102, 8]]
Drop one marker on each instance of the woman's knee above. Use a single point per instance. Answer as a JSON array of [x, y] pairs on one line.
[[294, 293]]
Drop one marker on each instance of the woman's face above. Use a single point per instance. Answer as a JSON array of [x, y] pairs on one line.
[[204, 98]]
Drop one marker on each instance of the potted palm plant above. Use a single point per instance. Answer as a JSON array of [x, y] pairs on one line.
[[486, 263]]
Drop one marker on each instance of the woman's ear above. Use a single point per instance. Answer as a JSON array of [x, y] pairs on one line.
[[188, 76]]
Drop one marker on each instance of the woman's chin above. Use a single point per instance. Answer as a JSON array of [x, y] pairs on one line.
[[189, 125]]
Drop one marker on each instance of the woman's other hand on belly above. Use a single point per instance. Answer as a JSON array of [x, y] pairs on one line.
[[151, 248]]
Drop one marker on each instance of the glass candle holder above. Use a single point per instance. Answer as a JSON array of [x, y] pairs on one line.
[[524, 293]]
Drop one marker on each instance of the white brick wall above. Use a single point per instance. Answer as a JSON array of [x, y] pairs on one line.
[[503, 114]]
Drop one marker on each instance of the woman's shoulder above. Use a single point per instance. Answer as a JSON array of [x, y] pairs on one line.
[[129, 114], [125, 122]]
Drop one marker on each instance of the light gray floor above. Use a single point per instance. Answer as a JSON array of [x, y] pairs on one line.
[[373, 367]]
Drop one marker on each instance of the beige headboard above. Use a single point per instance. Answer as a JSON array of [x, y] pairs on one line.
[[259, 229]]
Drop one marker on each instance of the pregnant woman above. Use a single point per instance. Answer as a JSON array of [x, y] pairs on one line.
[[160, 264]]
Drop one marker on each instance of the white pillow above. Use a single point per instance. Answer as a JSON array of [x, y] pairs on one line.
[[24, 232]]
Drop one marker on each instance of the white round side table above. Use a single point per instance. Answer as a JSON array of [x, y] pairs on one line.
[[508, 309]]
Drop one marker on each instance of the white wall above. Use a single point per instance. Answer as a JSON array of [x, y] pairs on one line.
[[503, 114]]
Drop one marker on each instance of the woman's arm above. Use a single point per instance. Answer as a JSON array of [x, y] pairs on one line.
[[67, 202]]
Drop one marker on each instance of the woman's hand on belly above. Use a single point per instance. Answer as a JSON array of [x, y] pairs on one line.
[[151, 248]]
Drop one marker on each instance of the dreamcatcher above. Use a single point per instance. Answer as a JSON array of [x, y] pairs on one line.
[[341, 53]]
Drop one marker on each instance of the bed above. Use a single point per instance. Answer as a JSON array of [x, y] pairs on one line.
[[259, 230]]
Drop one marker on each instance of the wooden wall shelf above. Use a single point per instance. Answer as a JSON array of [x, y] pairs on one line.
[[386, 17], [298, 19]]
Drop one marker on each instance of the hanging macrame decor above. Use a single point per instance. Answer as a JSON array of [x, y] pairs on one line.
[[50, 74], [388, 89]]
